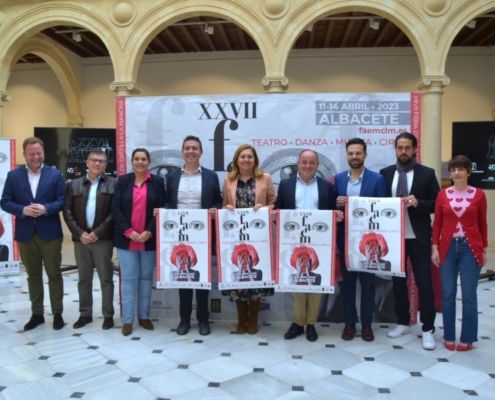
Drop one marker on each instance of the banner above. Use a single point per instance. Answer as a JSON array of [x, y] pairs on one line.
[[279, 126], [374, 235], [244, 246], [183, 249], [9, 252], [306, 251]]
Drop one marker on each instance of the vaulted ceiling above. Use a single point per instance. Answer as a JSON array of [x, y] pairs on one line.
[[208, 34]]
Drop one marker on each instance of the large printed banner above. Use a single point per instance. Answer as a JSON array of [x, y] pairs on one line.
[[374, 239], [9, 252], [183, 249], [279, 126], [244, 251], [306, 251]]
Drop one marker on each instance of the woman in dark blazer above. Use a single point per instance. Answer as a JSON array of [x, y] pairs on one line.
[[136, 196]]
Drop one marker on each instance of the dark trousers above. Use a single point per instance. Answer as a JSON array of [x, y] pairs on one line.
[[34, 254], [89, 256], [185, 308], [367, 282], [421, 265]]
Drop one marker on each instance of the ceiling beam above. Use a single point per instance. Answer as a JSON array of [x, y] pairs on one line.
[[190, 38]]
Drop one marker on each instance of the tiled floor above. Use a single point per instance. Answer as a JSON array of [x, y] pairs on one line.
[[90, 363]]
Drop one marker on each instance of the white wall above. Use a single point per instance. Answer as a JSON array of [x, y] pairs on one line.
[[37, 98]]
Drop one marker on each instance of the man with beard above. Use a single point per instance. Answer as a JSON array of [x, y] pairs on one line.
[[306, 191], [357, 181], [418, 187]]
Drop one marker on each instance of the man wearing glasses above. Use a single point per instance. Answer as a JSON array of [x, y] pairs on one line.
[[88, 216]]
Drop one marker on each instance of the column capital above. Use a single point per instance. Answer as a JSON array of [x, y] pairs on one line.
[[431, 82], [74, 122], [127, 88], [275, 84], [4, 96]]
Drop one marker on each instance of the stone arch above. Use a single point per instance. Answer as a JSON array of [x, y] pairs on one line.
[[158, 18], [63, 69], [19, 30], [402, 15], [456, 21]]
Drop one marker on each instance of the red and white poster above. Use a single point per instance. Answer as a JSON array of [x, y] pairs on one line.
[[305, 251], [374, 239], [9, 252], [183, 256], [244, 251]]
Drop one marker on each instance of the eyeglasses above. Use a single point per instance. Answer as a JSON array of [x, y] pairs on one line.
[[97, 161]]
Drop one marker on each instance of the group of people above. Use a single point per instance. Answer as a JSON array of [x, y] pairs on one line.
[[103, 212]]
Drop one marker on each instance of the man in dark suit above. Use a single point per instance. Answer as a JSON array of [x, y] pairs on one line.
[[418, 187], [357, 181], [306, 191], [35, 194], [193, 187]]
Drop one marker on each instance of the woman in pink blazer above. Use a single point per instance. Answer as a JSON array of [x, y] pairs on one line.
[[246, 186]]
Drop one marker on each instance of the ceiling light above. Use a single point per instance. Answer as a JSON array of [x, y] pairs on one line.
[[310, 28], [209, 29], [76, 36], [374, 24], [471, 24]]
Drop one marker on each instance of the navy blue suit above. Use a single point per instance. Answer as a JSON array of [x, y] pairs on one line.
[[210, 198], [17, 194], [306, 306], [40, 238], [373, 185]]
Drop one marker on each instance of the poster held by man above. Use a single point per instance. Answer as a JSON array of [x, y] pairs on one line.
[[374, 239], [183, 249], [306, 241]]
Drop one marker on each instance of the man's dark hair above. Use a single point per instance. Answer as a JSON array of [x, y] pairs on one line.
[[356, 140], [195, 138], [32, 140], [409, 136], [97, 152]]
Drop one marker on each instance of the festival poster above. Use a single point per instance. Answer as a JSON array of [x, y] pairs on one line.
[[306, 242], [244, 246], [9, 252], [374, 239], [183, 243]]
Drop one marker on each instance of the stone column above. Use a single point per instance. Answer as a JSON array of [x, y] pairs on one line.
[[123, 89], [275, 84], [431, 87], [4, 96]]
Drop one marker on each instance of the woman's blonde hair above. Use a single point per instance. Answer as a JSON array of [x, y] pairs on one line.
[[235, 169]]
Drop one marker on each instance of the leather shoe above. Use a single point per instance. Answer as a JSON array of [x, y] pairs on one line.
[[82, 321], [367, 334], [108, 323], [35, 320], [126, 329], [311, 334], [204, 328], [58, 321], [294, 331], [348, 333], [183, 327], [146, 324]]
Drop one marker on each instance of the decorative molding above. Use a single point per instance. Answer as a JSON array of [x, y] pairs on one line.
[[274, 9], [74, 121], [125, 88], [275, 84], [123, 13], [4, 96], [436, 8], [428, 82]]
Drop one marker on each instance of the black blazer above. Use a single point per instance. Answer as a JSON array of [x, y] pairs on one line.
[[425, 188], [286, 198], [122, 208], [211, 196]]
